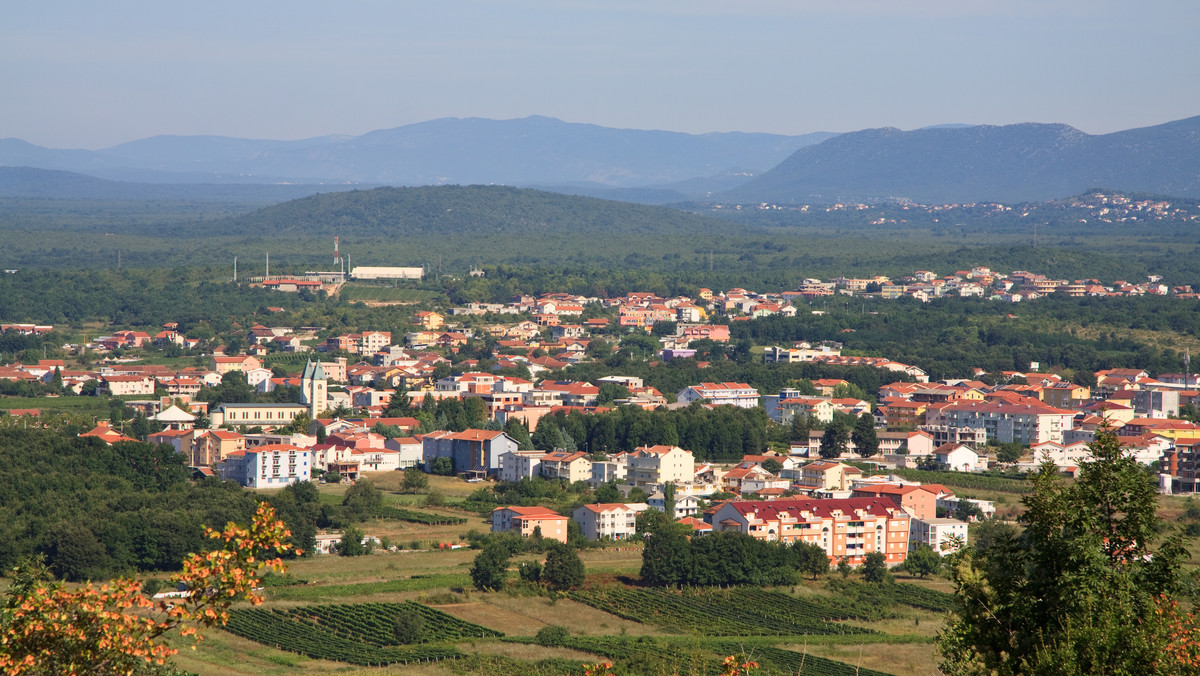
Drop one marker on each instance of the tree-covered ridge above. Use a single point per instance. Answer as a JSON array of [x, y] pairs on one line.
[[142, 297], [459, 211], [96, 510]]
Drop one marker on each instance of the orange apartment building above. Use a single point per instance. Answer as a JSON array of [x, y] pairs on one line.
[[847, 528]]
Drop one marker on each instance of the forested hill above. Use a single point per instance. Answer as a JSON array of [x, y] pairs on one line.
[[456, 211], [1012, 163]]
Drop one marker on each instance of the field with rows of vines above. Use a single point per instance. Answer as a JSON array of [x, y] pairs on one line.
[[723, 612], [359, 634]]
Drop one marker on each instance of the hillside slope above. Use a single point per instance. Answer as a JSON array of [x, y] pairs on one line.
[[1020, 162]]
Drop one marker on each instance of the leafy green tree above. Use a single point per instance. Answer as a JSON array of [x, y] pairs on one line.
[[967, 511], [810, 559], [546, 435], [409, 626], [772, 465], [490, 568], [362, 500], [610, 392], [400, 405], [650, 520], [1009, 452], [834, 442], [666, 559], [801, 426], [415, 480], [442, 466], [351, 543], [922, 561], [608, 493], [1081, 590], [843, 567], [874, 568], [866, 441], [76, 553], [530, 571], [564, 569], [519, 433], [475, 413], [850, 391]]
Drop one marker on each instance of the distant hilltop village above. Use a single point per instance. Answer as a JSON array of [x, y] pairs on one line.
[[1104, 208], [923, 285]]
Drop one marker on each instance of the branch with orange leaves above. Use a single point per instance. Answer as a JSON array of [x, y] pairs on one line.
[[113, 628]]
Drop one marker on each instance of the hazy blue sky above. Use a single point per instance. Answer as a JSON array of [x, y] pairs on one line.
[[92, 74]]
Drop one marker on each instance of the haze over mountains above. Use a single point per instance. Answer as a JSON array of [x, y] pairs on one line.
[[528, 151], [946, 163]]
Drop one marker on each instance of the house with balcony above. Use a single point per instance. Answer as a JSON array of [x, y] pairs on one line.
[[608, 520], [570, 466], [944, 536], [470, 450], [720, 394], [517, 465], [660, 464], [268, 466]]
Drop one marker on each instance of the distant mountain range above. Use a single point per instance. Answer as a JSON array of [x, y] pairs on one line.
[[527, 152], [939, 164], [1012, 163]]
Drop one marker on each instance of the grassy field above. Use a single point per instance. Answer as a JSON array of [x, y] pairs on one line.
[[92, 405], [387, 294], [440, 578], [904, 646]]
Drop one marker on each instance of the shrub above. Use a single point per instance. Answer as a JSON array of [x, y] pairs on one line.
[[552, 635], [410, 627], [564, 569], [531, 571], [874, 568]]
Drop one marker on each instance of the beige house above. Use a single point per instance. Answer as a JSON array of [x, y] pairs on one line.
[[119, 386], [430, 321], [253, 415], [570, 467], [817, 409], [828, 476], [525, 520], [659, 465], [608, 520], [212, 446], [223, 365]]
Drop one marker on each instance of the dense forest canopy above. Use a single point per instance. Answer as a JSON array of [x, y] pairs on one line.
[[97, 510], [450, 229]]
